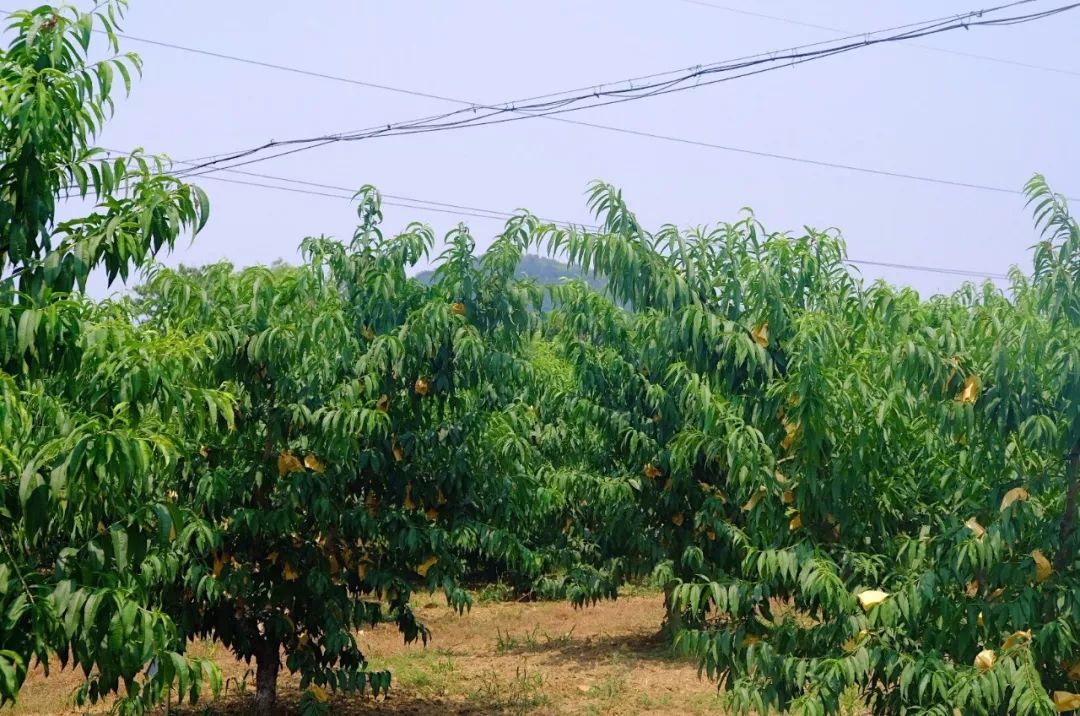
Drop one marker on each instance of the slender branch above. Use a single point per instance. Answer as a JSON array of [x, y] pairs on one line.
[[15, 566]]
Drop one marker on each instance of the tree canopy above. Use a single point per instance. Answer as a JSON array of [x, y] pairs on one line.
[[842, 487]]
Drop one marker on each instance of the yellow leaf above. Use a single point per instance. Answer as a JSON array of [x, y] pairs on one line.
[[100, 527], [408, 504], [795, 523], [219, 564], [440, 498], [399, 454], [204, 451], [319, 693], [853, 643], [678, 519], [791, 431], [291, 575], [566, 526], [996, 594], [980, 621], [751, 639], [871, 598], [972, 588], [651, 471], [458, 308], [372, 502], [383, 403], [955, 363], [1043, 568], [172, 532], [711, 534], [361, 569], [1066, 701], [1016, 639], [1017, 494], [1072, 670], [334, 566], [985, 659], [761, 335], [754, 499], [287, 462], [973, 525], [367, 333], [421, 386], [422, 568], [789, 497], [314, 464], [432, 514], [970, 392], [272, 558]]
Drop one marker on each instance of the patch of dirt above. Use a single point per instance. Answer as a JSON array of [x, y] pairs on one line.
[[505, 658]]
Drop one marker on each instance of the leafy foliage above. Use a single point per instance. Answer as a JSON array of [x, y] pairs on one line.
[[91, 404], [843, 486], [854, 487], [377, 435]]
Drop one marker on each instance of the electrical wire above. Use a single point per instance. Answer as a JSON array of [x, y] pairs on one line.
[[494, 215], [838, 30], [453, 209], [429, 95], [549, 109], [347, 193], [466, 103], [231, 156]]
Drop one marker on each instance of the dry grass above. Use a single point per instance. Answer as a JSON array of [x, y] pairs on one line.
[[502, 658]]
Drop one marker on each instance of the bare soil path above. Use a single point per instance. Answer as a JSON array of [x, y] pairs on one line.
[[502, 658]]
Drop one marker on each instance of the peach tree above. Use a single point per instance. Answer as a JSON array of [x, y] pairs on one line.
[[92, 406], [378, 442], [860, 492]]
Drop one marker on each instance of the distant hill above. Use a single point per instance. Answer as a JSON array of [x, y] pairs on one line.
[[544, 270]]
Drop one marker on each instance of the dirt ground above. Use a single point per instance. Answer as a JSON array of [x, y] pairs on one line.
[[502, 658]]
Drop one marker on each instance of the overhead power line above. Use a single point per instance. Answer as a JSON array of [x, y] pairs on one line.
[[590, 87], [496, 215], [932, 269], [921, 46], [652, 135], [482, 115], [593, 125], [236, 159], [313, 188], [457, 209]]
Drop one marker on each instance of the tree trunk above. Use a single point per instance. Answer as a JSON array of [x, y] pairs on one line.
[[673, 621], [267, 663], [1068, 521]]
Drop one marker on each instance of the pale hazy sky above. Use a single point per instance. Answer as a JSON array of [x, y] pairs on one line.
[[897, 108]]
